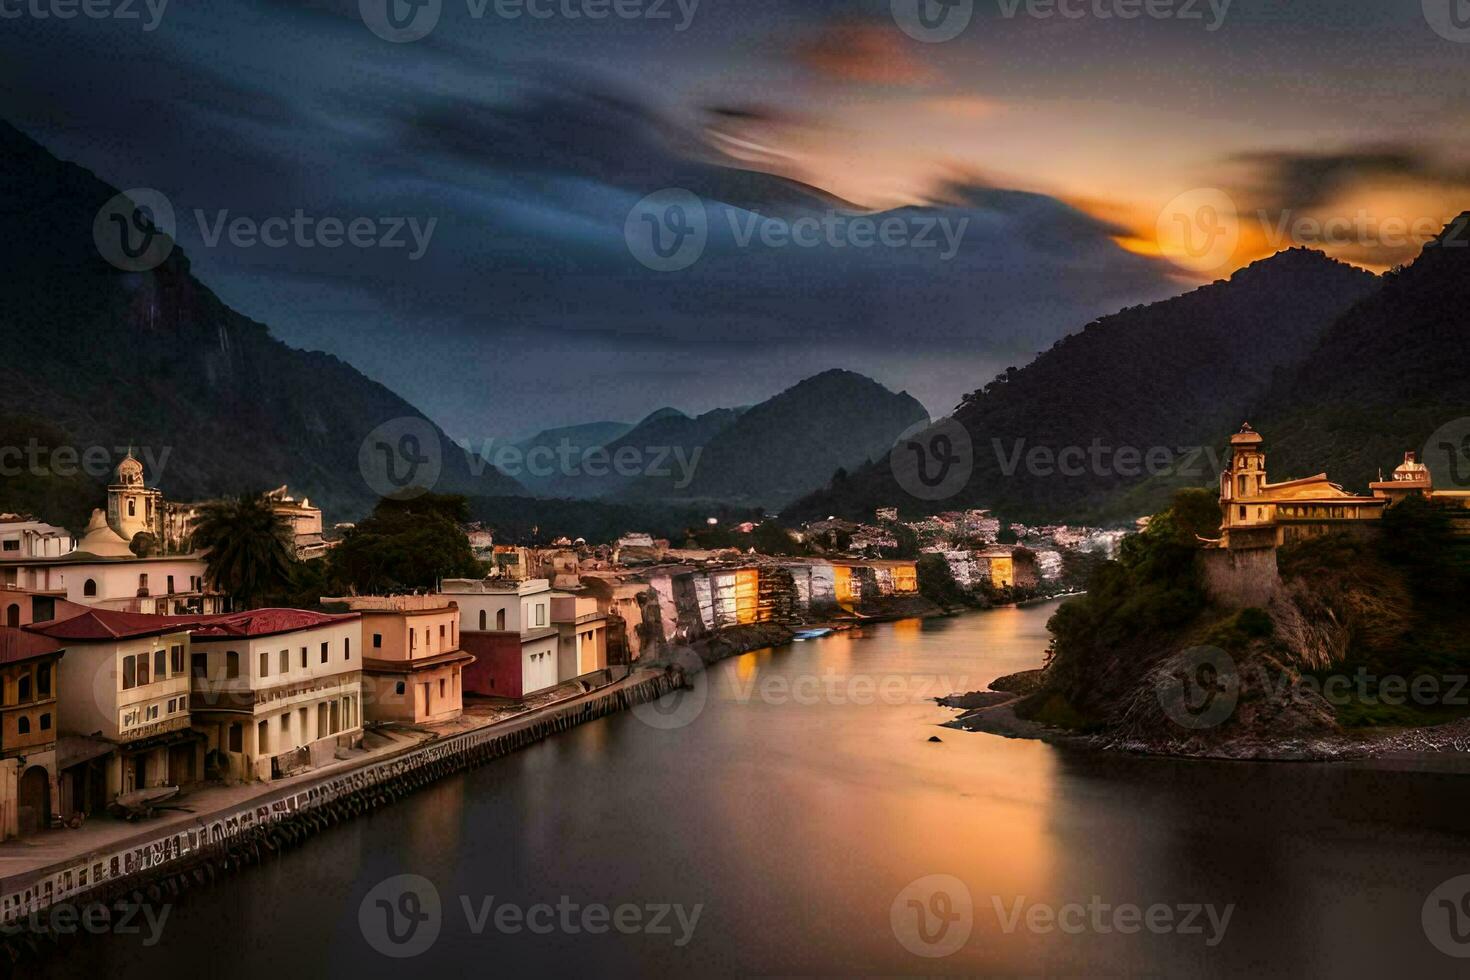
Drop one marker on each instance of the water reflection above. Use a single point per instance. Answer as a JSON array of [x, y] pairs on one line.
[[795, 813]]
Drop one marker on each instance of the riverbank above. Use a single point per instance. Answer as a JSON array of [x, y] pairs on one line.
[[109, 860]]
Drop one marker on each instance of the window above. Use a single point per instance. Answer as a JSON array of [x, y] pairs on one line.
[[441, 631], [412, 638], [43, 681], [325, 647], [160, 664], [12, 545], [540, 614], [263, 738], [441, 687], [265, 664], [398, 688], [176, 659], [23, 688], [89, 588], [12, 614], [170, 585], [377, 641], [286, 724], [142, 581], [303, 658], [132, 508], [43, 609], [23, 725], [237, 737], [482, 620], [232, 664], [346, 648], [199, 664], [500, 620], [46, 721]]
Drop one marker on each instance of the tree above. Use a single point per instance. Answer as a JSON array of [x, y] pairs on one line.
[[937, 582], [406, 544], [250, 547], [770, 538], [144, 544]]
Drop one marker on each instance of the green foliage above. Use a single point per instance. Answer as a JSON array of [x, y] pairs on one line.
[[1236, 632], [1152, 588], [251, 548], [405, 544], [937, 584], [908, 541]]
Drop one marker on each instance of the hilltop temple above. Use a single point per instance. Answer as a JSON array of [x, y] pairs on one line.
[[1256, 513]]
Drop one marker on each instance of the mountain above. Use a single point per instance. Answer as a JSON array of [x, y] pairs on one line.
[[760, 456], [785, 446], [666, 439], [154, 359], [1385, 378], [1069, 436]]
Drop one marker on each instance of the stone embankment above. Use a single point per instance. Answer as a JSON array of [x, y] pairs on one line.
[[157, 868]]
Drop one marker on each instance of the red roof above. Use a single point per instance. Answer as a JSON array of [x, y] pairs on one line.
[[108, 624], [264, 622], [16, 645]]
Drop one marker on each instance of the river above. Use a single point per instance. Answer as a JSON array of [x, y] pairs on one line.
[[795, 804]]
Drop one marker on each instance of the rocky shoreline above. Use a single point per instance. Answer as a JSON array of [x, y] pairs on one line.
[[994, 713]]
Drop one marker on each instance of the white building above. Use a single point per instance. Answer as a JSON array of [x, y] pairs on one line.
[[22, 536], [276, 690], [489, 606]]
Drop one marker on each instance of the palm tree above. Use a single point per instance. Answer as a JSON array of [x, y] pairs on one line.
[[251, 547]]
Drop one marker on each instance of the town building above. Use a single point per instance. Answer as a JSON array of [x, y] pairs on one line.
[[275, 691], [581, 635], [124, 705], [22, 536], [1256, 513], [508, 627], [162, 585], [22, 607], [30, 794], [413, 669]]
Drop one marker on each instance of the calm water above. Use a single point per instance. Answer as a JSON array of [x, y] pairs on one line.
[[803, 797]]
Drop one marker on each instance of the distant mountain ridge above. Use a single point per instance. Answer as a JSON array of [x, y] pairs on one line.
[[1173, 377], [759, 456], [155, 359]]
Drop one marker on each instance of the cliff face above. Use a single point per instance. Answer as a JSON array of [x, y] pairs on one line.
[[1314, 650], [156, 360]]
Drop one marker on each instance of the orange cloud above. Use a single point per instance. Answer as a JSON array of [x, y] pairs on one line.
[[862, 52]]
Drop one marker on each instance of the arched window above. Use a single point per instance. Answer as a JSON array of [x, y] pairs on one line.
[[482, 620], [12, 614], [132, 508], [500, 620], [23, 725], [89, 588]]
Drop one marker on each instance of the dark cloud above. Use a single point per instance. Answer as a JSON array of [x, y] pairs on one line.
[[1296, 180]]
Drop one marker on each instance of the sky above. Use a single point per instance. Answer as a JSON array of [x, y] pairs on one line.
[[924, 191]]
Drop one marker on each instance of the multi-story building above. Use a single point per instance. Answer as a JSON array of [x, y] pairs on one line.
[[414, 668], [30, 796], [509, 629], [276, 690], [124, 703], [581, 635]]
